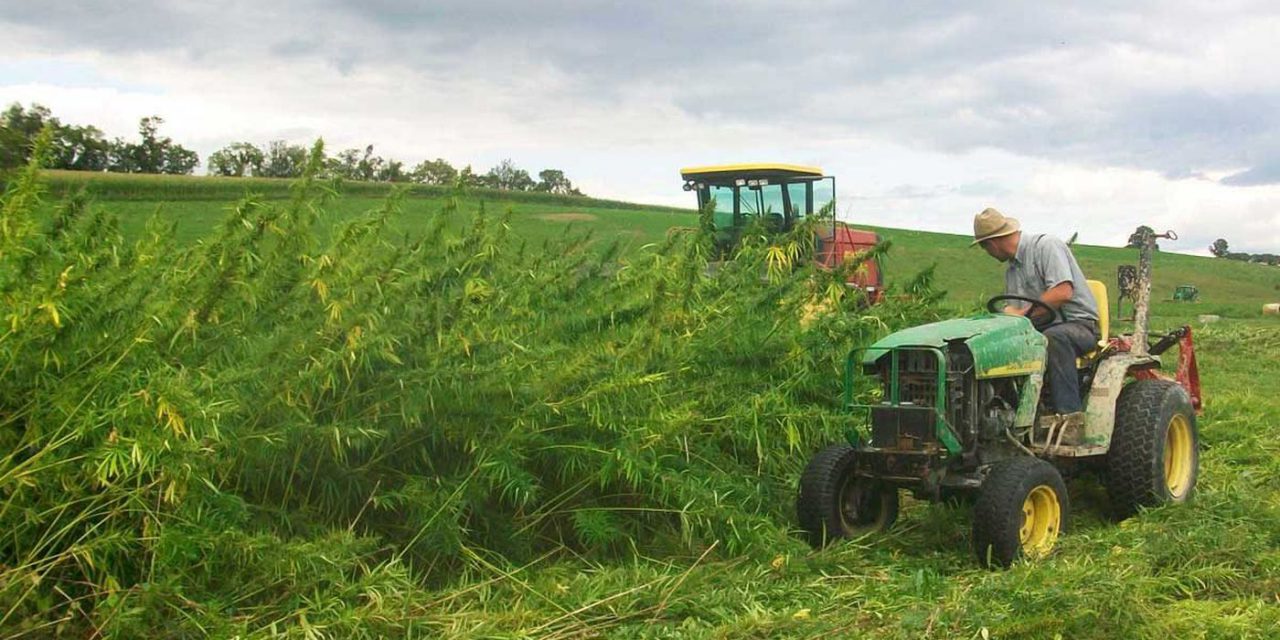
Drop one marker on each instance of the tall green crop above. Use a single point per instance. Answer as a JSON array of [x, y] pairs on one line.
[[267, 426]]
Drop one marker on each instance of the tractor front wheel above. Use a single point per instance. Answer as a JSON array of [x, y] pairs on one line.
[[1022, 508], [833, 502], [1154, 455]]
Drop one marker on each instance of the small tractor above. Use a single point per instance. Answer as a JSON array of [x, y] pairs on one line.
[[954, 414], [1186, 293], [779, 196]]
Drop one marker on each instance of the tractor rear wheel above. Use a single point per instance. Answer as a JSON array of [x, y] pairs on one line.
[[1022, 508], [833, 502], [1154, 456]]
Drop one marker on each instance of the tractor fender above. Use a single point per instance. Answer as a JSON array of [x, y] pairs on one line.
[[1100, 405]]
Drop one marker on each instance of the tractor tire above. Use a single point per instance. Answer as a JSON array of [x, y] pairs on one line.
[[834, 503], [1155, 449], [1022, 508]]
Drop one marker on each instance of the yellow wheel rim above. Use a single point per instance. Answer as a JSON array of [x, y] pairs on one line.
[[1041, 521], [1178, 457]]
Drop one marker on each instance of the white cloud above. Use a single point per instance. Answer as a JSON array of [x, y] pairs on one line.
[[1069, 116]]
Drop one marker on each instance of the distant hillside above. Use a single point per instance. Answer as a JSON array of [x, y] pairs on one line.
[[969, 276], [149, 187]]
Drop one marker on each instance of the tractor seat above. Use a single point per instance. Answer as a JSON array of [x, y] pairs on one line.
[[1099, 291]]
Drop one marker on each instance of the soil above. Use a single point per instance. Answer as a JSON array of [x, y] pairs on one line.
[[567, 217]]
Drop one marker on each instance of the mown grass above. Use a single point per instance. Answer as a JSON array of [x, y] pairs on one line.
[[326, 418]]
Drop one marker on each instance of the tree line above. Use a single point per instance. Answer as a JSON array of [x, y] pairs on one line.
[[1221, 249], [279, 159], [86, 148]]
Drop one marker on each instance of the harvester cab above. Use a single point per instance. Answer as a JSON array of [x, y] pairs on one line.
[[780, 196], [953, 410]]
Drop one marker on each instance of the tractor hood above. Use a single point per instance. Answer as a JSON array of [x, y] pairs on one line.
[[1002, 345]]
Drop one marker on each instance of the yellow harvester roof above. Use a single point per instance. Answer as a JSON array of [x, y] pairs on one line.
[[749, 171]]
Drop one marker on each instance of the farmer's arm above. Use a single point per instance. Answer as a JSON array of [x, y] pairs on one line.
[[1058, 294], [1055, 297]]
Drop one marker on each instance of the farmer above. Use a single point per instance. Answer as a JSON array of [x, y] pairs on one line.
[[1042, 268]]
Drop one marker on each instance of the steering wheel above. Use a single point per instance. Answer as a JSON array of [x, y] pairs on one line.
[[1040, 321]]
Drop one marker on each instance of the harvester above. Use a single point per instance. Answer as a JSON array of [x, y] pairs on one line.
[[779, 196], [954, 413]]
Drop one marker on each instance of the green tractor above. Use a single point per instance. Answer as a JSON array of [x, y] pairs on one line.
[[1186, 293], [954, 413]]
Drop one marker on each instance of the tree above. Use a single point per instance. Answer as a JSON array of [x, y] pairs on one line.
[[505, 175], [354, 164], [148, 155], [80, 149], [284, 160], [345, 164], [237, 159], [392, 171], [468, 178], [179, 160], [120, 157], [72, 147], [553, 181], [153, 154], [436, 171], [369, 166], [83, 148], [18, 128], [1219, 248]]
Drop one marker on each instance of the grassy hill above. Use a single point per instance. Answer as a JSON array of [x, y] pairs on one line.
[[1228, 288]]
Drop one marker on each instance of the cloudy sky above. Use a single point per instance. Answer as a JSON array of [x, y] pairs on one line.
[[1078, 116]]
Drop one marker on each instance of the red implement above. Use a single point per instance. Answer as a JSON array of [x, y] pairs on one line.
[[1188, 373], [845, 243]]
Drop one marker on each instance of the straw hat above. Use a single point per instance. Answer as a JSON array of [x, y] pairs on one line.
[[992, 224]]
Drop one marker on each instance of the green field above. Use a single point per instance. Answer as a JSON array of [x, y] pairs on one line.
[[407, 421], [967, 274]]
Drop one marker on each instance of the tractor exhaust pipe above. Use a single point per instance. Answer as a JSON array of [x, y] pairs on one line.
[[1146, 241]]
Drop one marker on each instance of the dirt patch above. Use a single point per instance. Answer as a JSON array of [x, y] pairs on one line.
[[567, 217]]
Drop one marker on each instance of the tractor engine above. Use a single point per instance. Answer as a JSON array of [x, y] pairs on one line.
[[949, 394], [970, 410]]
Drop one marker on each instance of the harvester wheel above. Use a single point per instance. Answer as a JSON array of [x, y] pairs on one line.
[[1022, 508], [1154, 456], [835, 503]]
